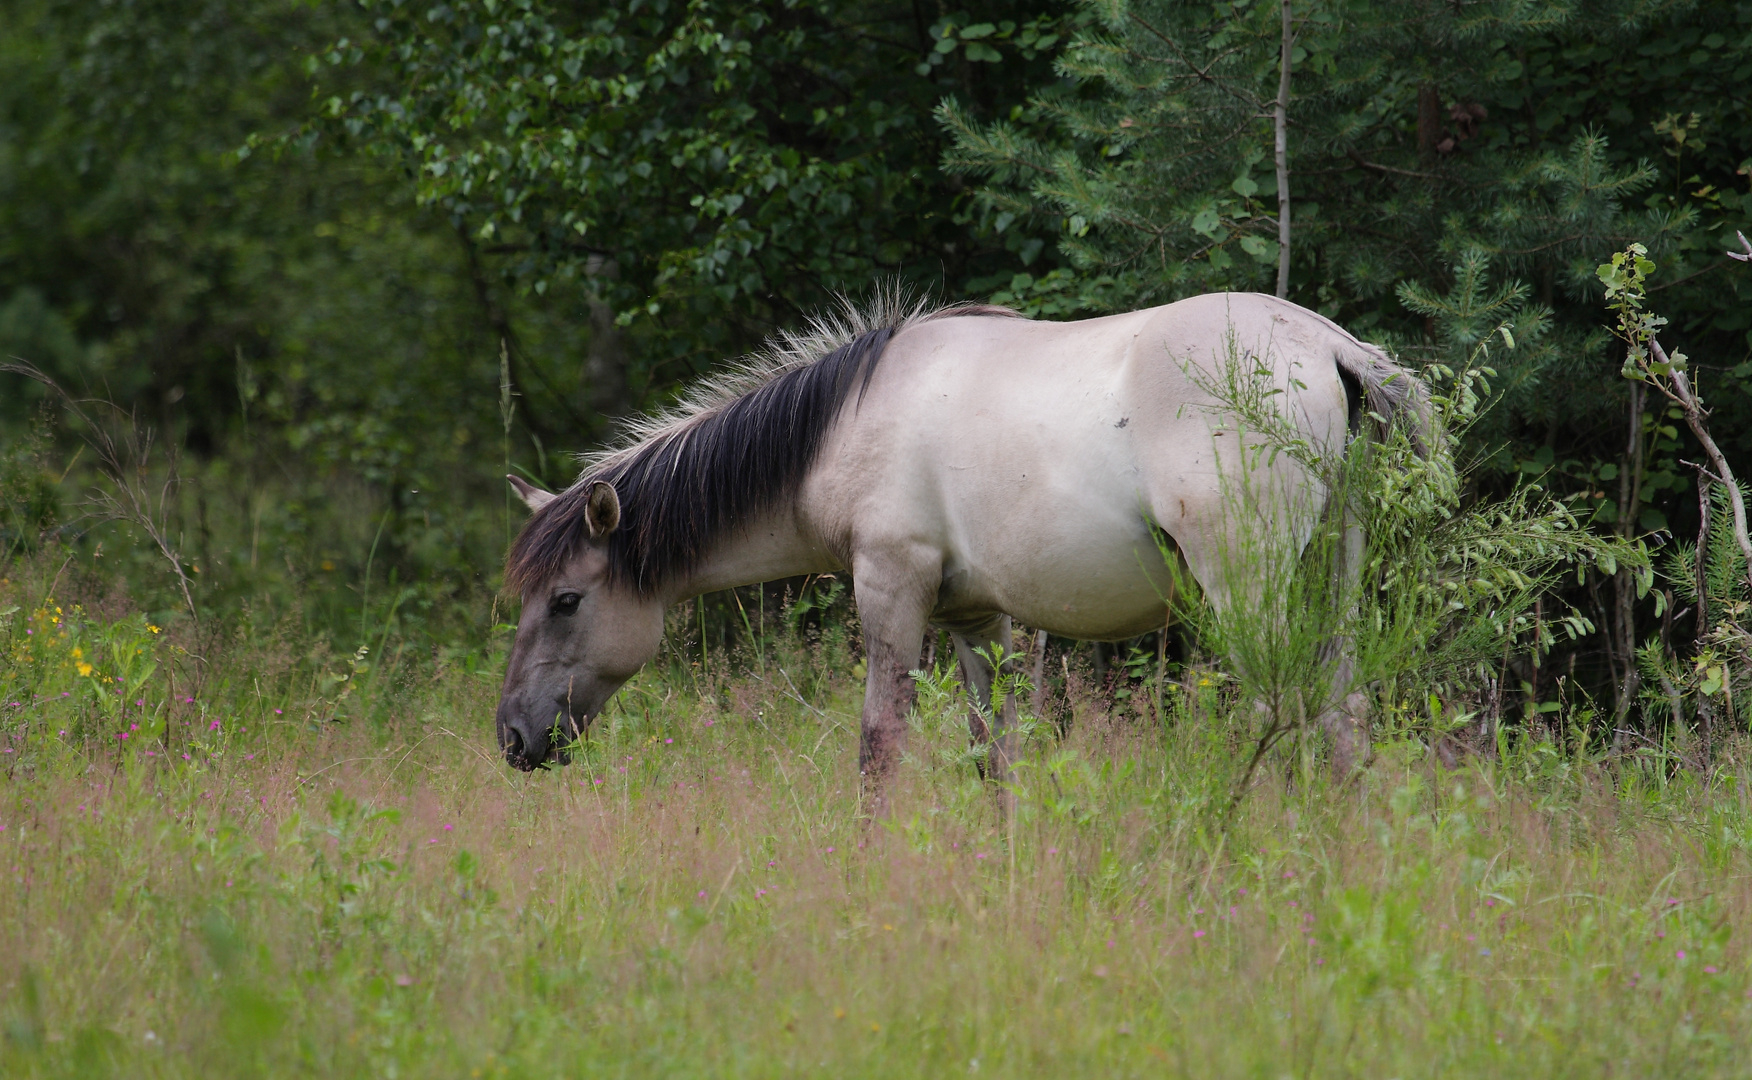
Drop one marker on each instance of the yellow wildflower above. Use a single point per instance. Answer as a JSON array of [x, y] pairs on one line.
[[84, 669]]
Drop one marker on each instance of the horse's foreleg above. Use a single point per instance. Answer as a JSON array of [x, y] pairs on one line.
[[894, 601], [996, 728]]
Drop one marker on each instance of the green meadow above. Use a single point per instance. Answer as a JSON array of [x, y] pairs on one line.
[[278, 875]]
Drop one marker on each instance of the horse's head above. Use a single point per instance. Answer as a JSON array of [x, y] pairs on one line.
[[581, 635]]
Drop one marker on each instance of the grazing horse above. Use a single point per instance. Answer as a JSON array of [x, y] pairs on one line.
[[966, 465]]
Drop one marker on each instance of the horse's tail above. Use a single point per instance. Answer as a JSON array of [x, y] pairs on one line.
[[1392, 395]]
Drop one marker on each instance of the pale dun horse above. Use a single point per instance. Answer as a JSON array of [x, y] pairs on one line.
[[967, 466]]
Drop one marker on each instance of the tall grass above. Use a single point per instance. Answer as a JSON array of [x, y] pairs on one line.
[[246, 886]]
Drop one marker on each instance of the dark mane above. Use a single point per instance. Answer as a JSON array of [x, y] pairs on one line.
[[736, 449]]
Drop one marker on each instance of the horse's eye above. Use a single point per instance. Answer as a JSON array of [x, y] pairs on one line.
[[566, 604]]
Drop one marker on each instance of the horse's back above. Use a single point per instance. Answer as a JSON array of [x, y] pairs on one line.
[[1034, 456]]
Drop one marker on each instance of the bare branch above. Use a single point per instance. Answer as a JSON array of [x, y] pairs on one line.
[[1358, 158], [1677, 388]]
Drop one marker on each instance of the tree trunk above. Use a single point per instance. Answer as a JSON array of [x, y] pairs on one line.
[[1429, 120], [1281, 124], [1624, 584]]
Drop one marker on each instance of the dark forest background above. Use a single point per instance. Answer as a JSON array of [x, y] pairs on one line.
[[348, 263]]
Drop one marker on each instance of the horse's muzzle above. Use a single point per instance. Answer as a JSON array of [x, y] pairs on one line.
[[528, 749]]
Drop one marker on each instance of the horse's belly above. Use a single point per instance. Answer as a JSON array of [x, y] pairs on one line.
[[1090, 586]]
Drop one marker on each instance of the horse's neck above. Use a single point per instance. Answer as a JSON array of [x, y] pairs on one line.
[[773, 546]]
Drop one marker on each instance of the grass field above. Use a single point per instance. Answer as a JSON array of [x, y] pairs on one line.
[[243, 888]]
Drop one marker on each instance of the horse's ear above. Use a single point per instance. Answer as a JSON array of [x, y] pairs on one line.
[[602, 509], [535, 498]]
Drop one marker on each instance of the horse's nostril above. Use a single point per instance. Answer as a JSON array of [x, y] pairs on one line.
[[513, 743]]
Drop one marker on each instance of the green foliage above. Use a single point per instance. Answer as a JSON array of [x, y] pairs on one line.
[[1408, 587], [1705, 682], [1720, 580], [707, 170], [29, 496], [1429, 144]]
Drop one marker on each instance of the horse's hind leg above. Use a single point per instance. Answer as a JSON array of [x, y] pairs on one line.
[[996, 730], [1252, 551], [1343, 719]]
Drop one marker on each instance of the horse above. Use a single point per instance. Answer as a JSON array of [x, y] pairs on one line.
[[967, 465]]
